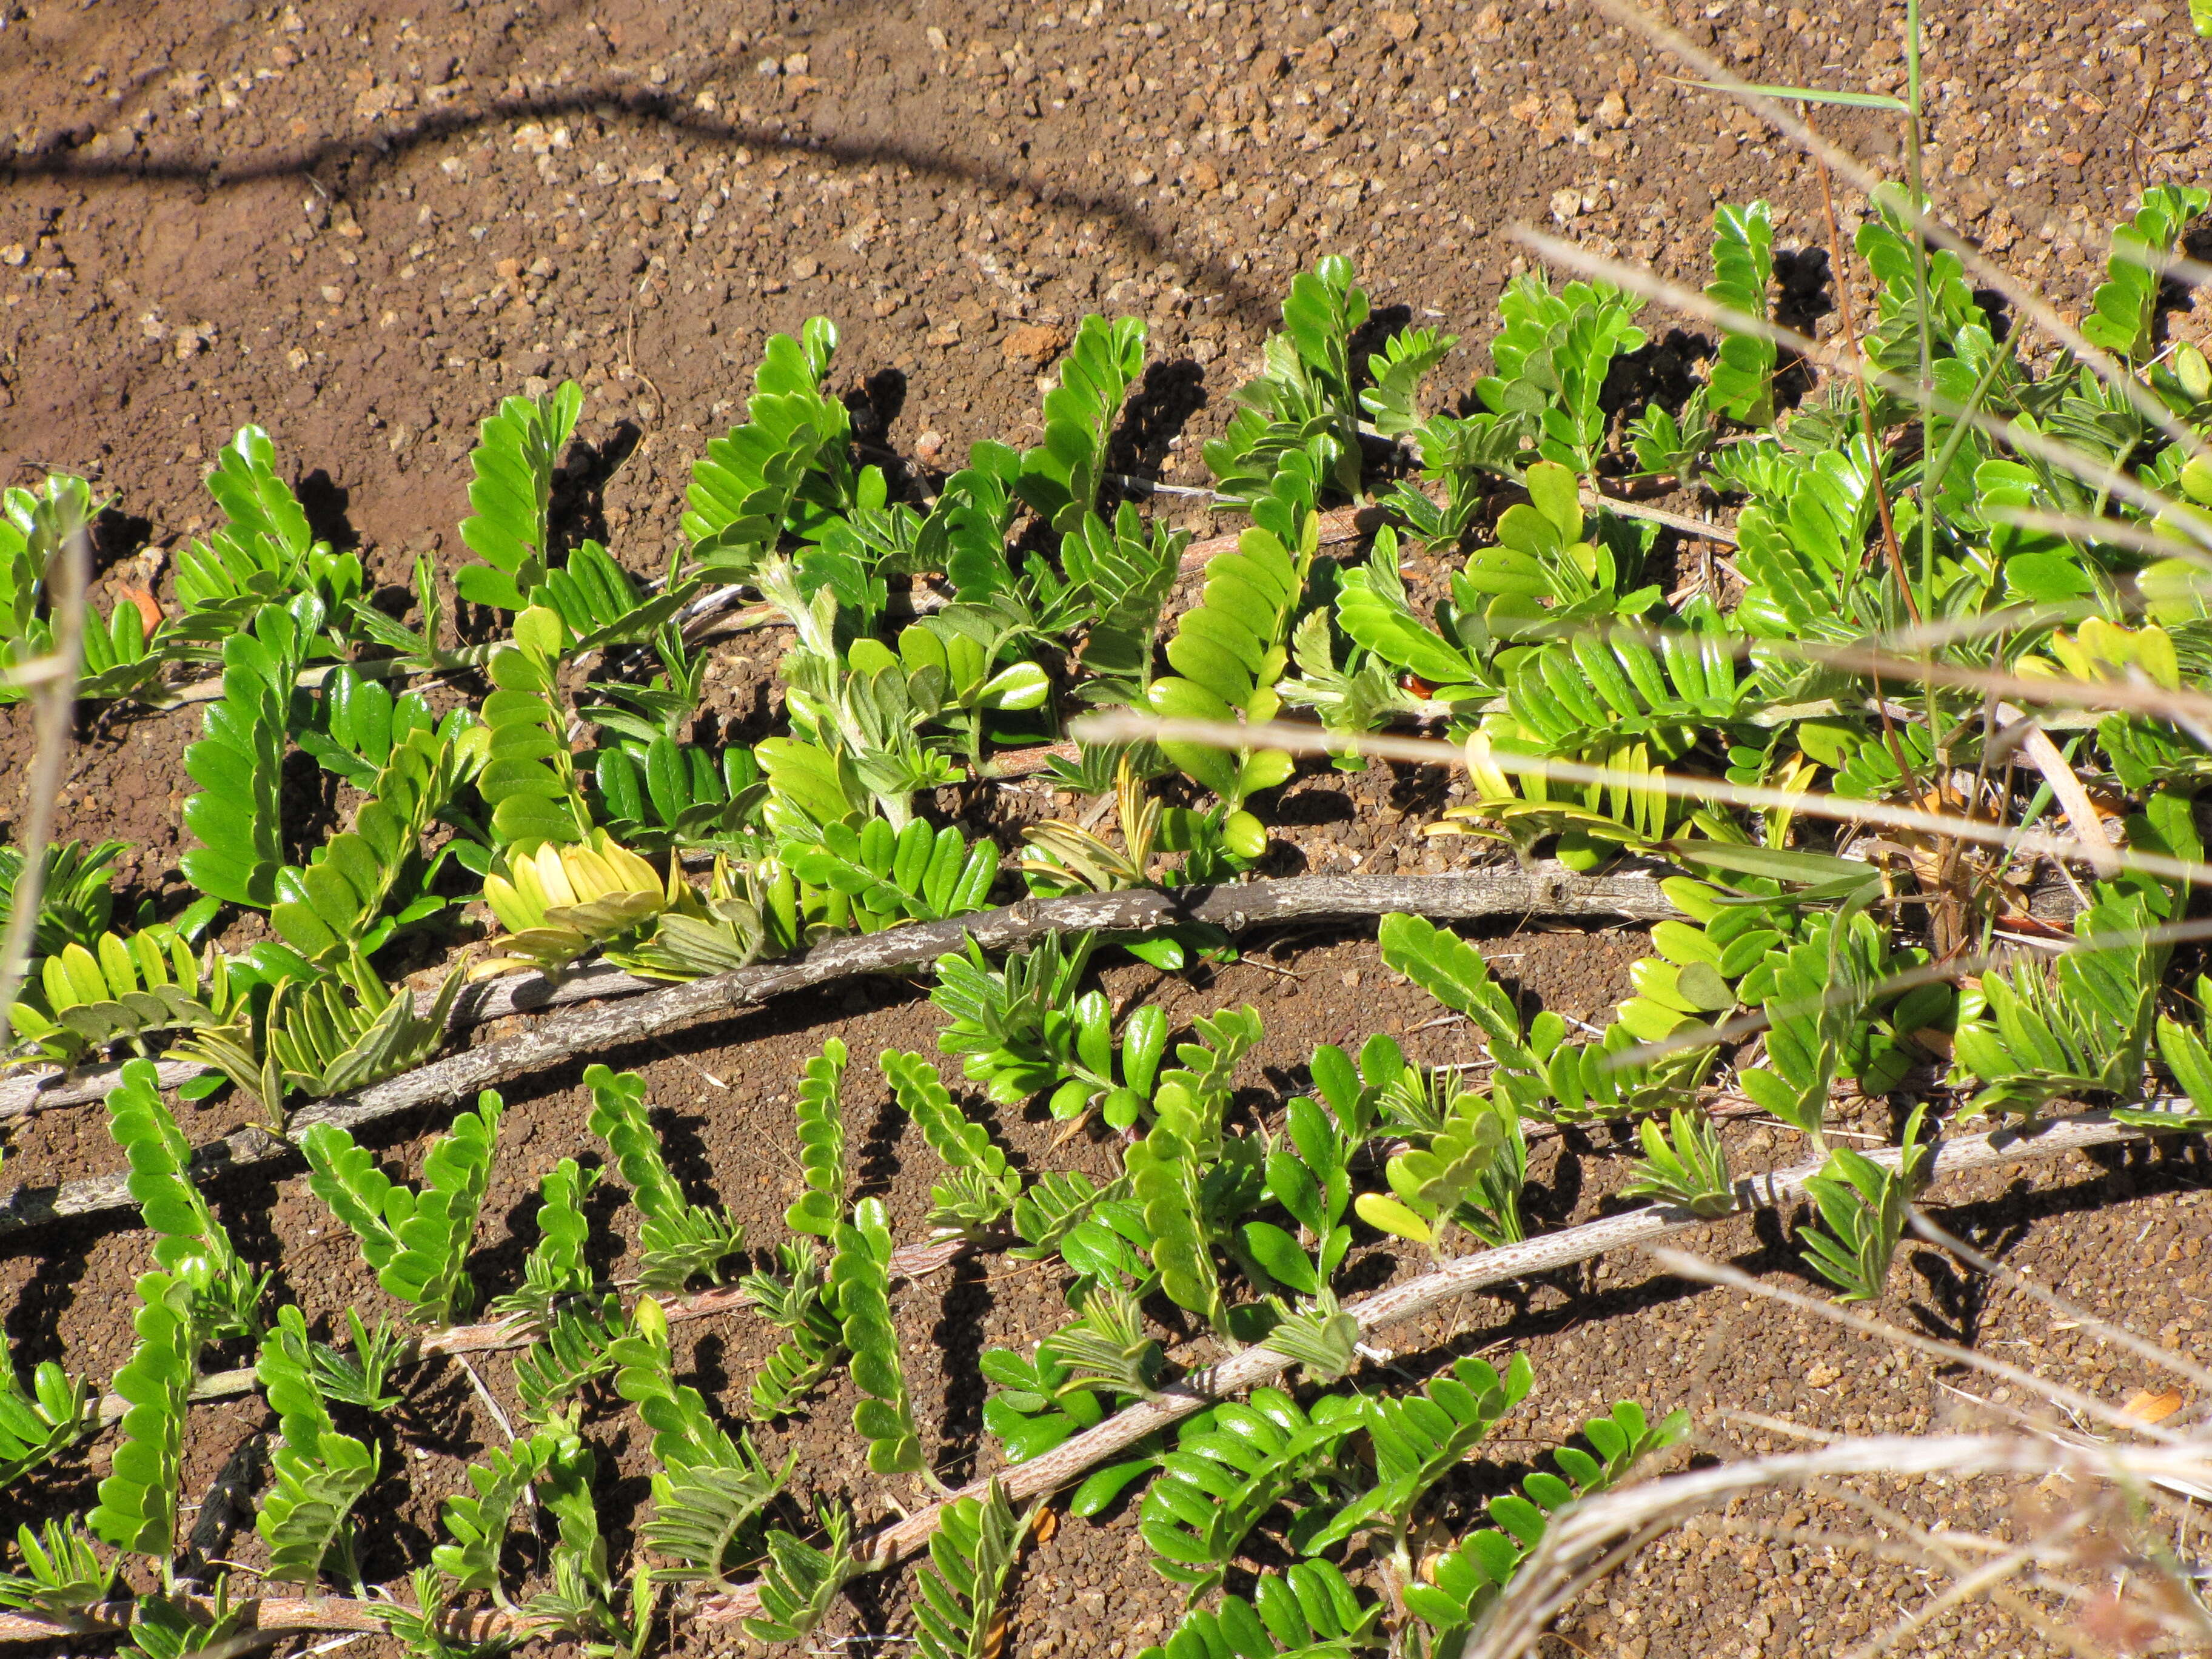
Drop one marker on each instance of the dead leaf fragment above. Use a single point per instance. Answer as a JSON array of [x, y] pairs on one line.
[[2153, 1407]]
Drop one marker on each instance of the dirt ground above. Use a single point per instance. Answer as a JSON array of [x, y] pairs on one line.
[[359, 226]]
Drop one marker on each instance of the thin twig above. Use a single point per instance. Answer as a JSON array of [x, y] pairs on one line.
[[57, 706], [1560, 1565], [1255, 1366], [670, 1008]]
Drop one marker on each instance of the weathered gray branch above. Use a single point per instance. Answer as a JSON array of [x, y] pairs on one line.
[[1255, 1366], [477, 1005], [1550, 891]]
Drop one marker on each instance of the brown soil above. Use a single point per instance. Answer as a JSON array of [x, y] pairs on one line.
[[359, 225]]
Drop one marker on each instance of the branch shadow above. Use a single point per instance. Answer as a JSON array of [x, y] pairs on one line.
[[332, 160]]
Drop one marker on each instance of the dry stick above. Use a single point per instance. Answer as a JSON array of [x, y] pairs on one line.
[[1255, 1366], [1588, 1532], [1865, 407], [1126, 724], [54, 675], [2073, 800], [675, 1007]]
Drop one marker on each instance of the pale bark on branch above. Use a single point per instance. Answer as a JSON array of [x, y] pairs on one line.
[[1255, 1366], [668, 1009]]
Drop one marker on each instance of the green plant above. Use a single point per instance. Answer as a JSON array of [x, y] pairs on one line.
[[416, 1239], [749, 483], [339, 902], [799, 1581], [1816, 995], [424, 1630], [266, 554], [859, 1282], [1550, 569], [116, 659], [1229, 1467], [317, 1474], [665, 795], [1306, 395], [76, 897], [971, 1557], [1178, 1174], [529, 778], [1119, 576], [556, 1267], [1228, 652], [477, 1520], [1594, 691], [1865, 1206], [39, 1422], [711, 1487], [574, 1348], [983, 1186], [1309, 1174], [63, 1573], [1308, 1610], [855, 742], [1741, 382], [582, 1597], [1417, 1441], [1461, 456], [322, 1034], [1320, 1336], [1059, 478], [1683, 1164], [678, 1240], [1108, 1347], [559, 901], [1552, 357], [237, 815], [168, 1627], [113, 988], [190, 1243], [574, 790], [1010, 1022], [356, 1375], [952, 664], [891, 876], [2124, 309], [821, 1144], [798, 1300], [1455, 1588], [513, 462], [1373, 609], [1035, 1406], [137, 1506], [1471, 1172], [602, 604], [2083, 1025]]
